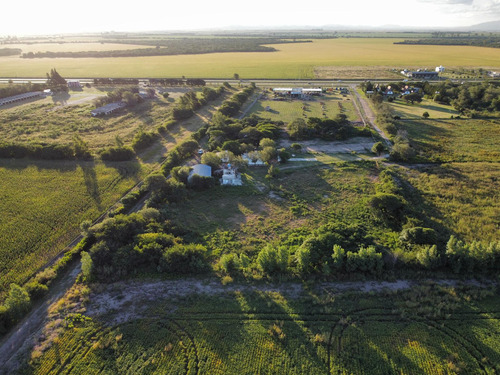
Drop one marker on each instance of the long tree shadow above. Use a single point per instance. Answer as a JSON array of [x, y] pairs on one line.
[[91, 181]]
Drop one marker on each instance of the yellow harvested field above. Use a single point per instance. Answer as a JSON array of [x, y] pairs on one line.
[[296, 61]]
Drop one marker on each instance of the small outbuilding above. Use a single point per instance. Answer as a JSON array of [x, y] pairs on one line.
[[107, 109], [202, 170]]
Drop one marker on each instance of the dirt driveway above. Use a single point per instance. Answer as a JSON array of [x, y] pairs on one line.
[[358, 144]]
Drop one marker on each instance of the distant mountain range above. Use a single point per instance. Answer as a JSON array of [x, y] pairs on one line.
[[493, 26], [485, 26]]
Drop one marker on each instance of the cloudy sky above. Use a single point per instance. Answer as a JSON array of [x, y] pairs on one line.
[[25, 17]]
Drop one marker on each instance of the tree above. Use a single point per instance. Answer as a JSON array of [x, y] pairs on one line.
[[17, 302], [378, 148], [425, 114], [211, 159], [268, 154], [283, 155], [266, 142], [413, 97], [86, 265], [297, 129], [272, 260], [387, 207], [236, 76]]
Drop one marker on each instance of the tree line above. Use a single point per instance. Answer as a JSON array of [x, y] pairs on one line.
[[168, 47], [10, 51], [12, 90], [486, 41]]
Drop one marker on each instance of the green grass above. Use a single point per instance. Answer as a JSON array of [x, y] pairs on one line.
[[268, 332], [415, 111], [454, 139], [44, 203], [465, 196], [289, 110], [296, 61], [256, 217], [47, 121]]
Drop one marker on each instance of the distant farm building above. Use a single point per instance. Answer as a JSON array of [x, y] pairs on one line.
[[201, 170], [440, 69], [252, 162], [20, 97], [108, 109], [421, 74], [74, 84], [297, 92]]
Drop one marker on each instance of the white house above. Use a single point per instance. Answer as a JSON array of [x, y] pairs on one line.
[[230, 177], [440, 69]]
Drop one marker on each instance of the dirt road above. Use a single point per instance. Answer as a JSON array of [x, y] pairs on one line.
[[369, 115], [26, 333]]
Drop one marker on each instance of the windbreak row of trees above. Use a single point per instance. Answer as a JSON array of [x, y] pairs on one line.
[[184, 46], [116, 81], [485, 41], [12, 90], [177, 81], [167, 47], [10, 51], [78, 150], [190, 102]]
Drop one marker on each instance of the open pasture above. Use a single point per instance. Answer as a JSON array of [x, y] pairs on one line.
[[450, 140], [275, 332], [465, 197], [415, 111], [58, 118], [296, 61], [289, 110]]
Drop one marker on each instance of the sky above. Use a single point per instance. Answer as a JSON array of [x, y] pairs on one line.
[[35, 17]]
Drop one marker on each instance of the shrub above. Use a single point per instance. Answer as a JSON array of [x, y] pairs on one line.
[[418, 235], [117, 153], [272, 260], [184, 259], [36, 290], [229, 263], [143, 139], [17, 302]]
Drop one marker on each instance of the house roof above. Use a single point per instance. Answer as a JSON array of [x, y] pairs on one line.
[[202, 170]]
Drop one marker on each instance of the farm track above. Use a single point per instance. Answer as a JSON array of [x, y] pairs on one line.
[[369, 115]]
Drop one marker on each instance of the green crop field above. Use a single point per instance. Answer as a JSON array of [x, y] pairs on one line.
[[287, 111], [454, 139], [273, 332], [44, 203], [296, 61]]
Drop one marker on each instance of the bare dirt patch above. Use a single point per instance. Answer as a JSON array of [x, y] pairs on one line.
[[356, 72]]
